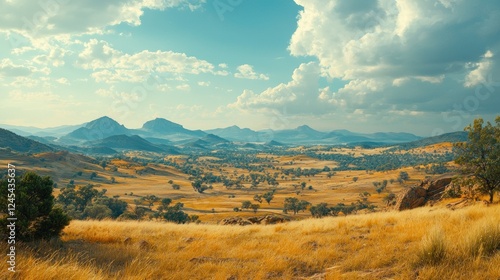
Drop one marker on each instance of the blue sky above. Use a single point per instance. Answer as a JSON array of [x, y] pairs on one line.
[[424, 67]]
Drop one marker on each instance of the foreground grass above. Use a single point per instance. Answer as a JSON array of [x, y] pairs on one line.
[[426, 243]]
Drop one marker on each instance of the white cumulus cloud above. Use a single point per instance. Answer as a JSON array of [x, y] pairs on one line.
[[246, 71]]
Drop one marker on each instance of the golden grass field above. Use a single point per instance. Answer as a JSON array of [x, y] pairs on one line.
[[219, 202], [425, 243]]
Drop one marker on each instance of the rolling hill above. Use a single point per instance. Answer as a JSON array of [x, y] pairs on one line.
[[126, 142], [18, 143], [163, 128]]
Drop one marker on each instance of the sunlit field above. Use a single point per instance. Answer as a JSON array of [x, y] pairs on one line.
[[425, 243]]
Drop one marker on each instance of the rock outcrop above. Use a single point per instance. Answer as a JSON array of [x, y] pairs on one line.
[[436, 187], [428, 190], [410, 198], [266, 220], [273, 219]]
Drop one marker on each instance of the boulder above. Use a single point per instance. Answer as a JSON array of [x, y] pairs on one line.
[[244, 222], [229, 221], [235, 221], [256, 220], [436, 187], [273, 219], [410, 198], [428, 190]]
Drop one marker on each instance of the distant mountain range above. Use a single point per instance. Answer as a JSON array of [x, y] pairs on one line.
[[106, 136], [453, 137]]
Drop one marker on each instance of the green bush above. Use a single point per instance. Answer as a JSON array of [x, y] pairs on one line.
[[36, 216]]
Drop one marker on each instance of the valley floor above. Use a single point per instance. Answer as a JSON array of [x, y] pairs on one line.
[[426, 243]]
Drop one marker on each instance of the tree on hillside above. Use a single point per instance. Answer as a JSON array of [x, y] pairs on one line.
[[268, 196], [479, 156], [75, 202], [199, 186], [320, 210], [255, 207], [37, 218], [293, 204], [403, 176], [150, 200], [246, 204]]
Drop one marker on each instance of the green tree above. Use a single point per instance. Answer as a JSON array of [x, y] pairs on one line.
[[246, 204], [320, 210], [164, 204], [268, 197], [176, 215], [116, 206], [97, 211], [255, 207], [150, 200], [199, 186], [479, 156], [403, 176], [293, 204], [37, 218]]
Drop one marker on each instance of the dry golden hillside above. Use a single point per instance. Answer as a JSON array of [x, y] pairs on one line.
[[425, 243]]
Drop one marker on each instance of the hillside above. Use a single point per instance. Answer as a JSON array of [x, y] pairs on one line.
[[452, 137], [353, 247], [236, 133], [21, 144], [96, 129], [133, 142], [160, 127]]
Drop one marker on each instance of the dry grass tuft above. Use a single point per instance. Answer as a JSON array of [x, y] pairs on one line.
[[483, 238], [433, 247]]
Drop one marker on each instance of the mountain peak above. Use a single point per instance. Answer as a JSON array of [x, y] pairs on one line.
[[161, 125], [304, 128], [102, 123], [98, 129]]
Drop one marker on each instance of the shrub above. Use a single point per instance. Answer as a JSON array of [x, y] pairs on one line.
[[37, 217], [97, 212]]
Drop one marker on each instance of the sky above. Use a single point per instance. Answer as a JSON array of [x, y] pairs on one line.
[[425, 67]]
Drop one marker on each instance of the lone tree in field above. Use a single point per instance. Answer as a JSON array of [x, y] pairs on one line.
[[36, 216], [479, 156]]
